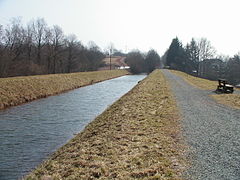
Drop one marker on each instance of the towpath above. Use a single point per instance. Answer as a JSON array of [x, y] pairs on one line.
[[211, 130]]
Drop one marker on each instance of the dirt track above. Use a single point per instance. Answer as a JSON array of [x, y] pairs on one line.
[[212, 131]]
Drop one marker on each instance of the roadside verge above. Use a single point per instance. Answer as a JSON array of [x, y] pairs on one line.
[[19, 90], [232, 100], [139, 136]]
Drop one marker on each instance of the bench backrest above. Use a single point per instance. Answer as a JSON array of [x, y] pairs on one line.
[[222, 82]]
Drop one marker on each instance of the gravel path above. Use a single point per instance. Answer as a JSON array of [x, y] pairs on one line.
[[211, 130]]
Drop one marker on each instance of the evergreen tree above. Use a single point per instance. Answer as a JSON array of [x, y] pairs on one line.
[[176, 56], [192, 54], [233, 70]]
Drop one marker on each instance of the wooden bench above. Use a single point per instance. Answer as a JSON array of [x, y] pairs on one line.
[[224, 87]]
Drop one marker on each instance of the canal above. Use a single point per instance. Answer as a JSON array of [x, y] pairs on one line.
[[31, 132]]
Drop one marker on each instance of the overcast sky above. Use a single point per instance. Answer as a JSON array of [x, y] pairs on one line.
[[132, 24]]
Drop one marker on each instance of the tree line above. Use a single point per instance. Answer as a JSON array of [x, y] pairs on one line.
[[188, 59], [39, 49], [143, 63]]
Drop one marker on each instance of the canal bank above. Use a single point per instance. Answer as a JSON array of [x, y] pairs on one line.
[[136, 137], [19, 90], [30, 132]]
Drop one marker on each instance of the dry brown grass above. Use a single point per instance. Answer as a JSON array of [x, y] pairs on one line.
[[232, 100], [138, 137], [18, 90], [197, 82]]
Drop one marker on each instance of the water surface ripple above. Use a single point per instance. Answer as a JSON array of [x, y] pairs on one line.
[[31, 132]]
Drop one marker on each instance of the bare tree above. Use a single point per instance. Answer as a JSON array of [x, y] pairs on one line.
[[135, 60], [57, 43], [39, 49], [11, 38], [2, 59], [1, 34], [73, 48], [223, 57], [110, 48], [28, 42], [92, 46], [48, 50], [15, 34], [39, 28], [206, 50], [94, 56]]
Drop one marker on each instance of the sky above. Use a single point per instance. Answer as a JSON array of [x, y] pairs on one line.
[[136, 24]]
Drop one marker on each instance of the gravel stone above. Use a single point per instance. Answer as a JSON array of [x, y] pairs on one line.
[[211, 130]]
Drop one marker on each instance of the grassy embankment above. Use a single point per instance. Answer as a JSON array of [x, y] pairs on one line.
[[18, 90], [232, 100], [138, 137]]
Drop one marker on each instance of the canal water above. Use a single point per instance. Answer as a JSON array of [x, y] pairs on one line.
[[31, 132]]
